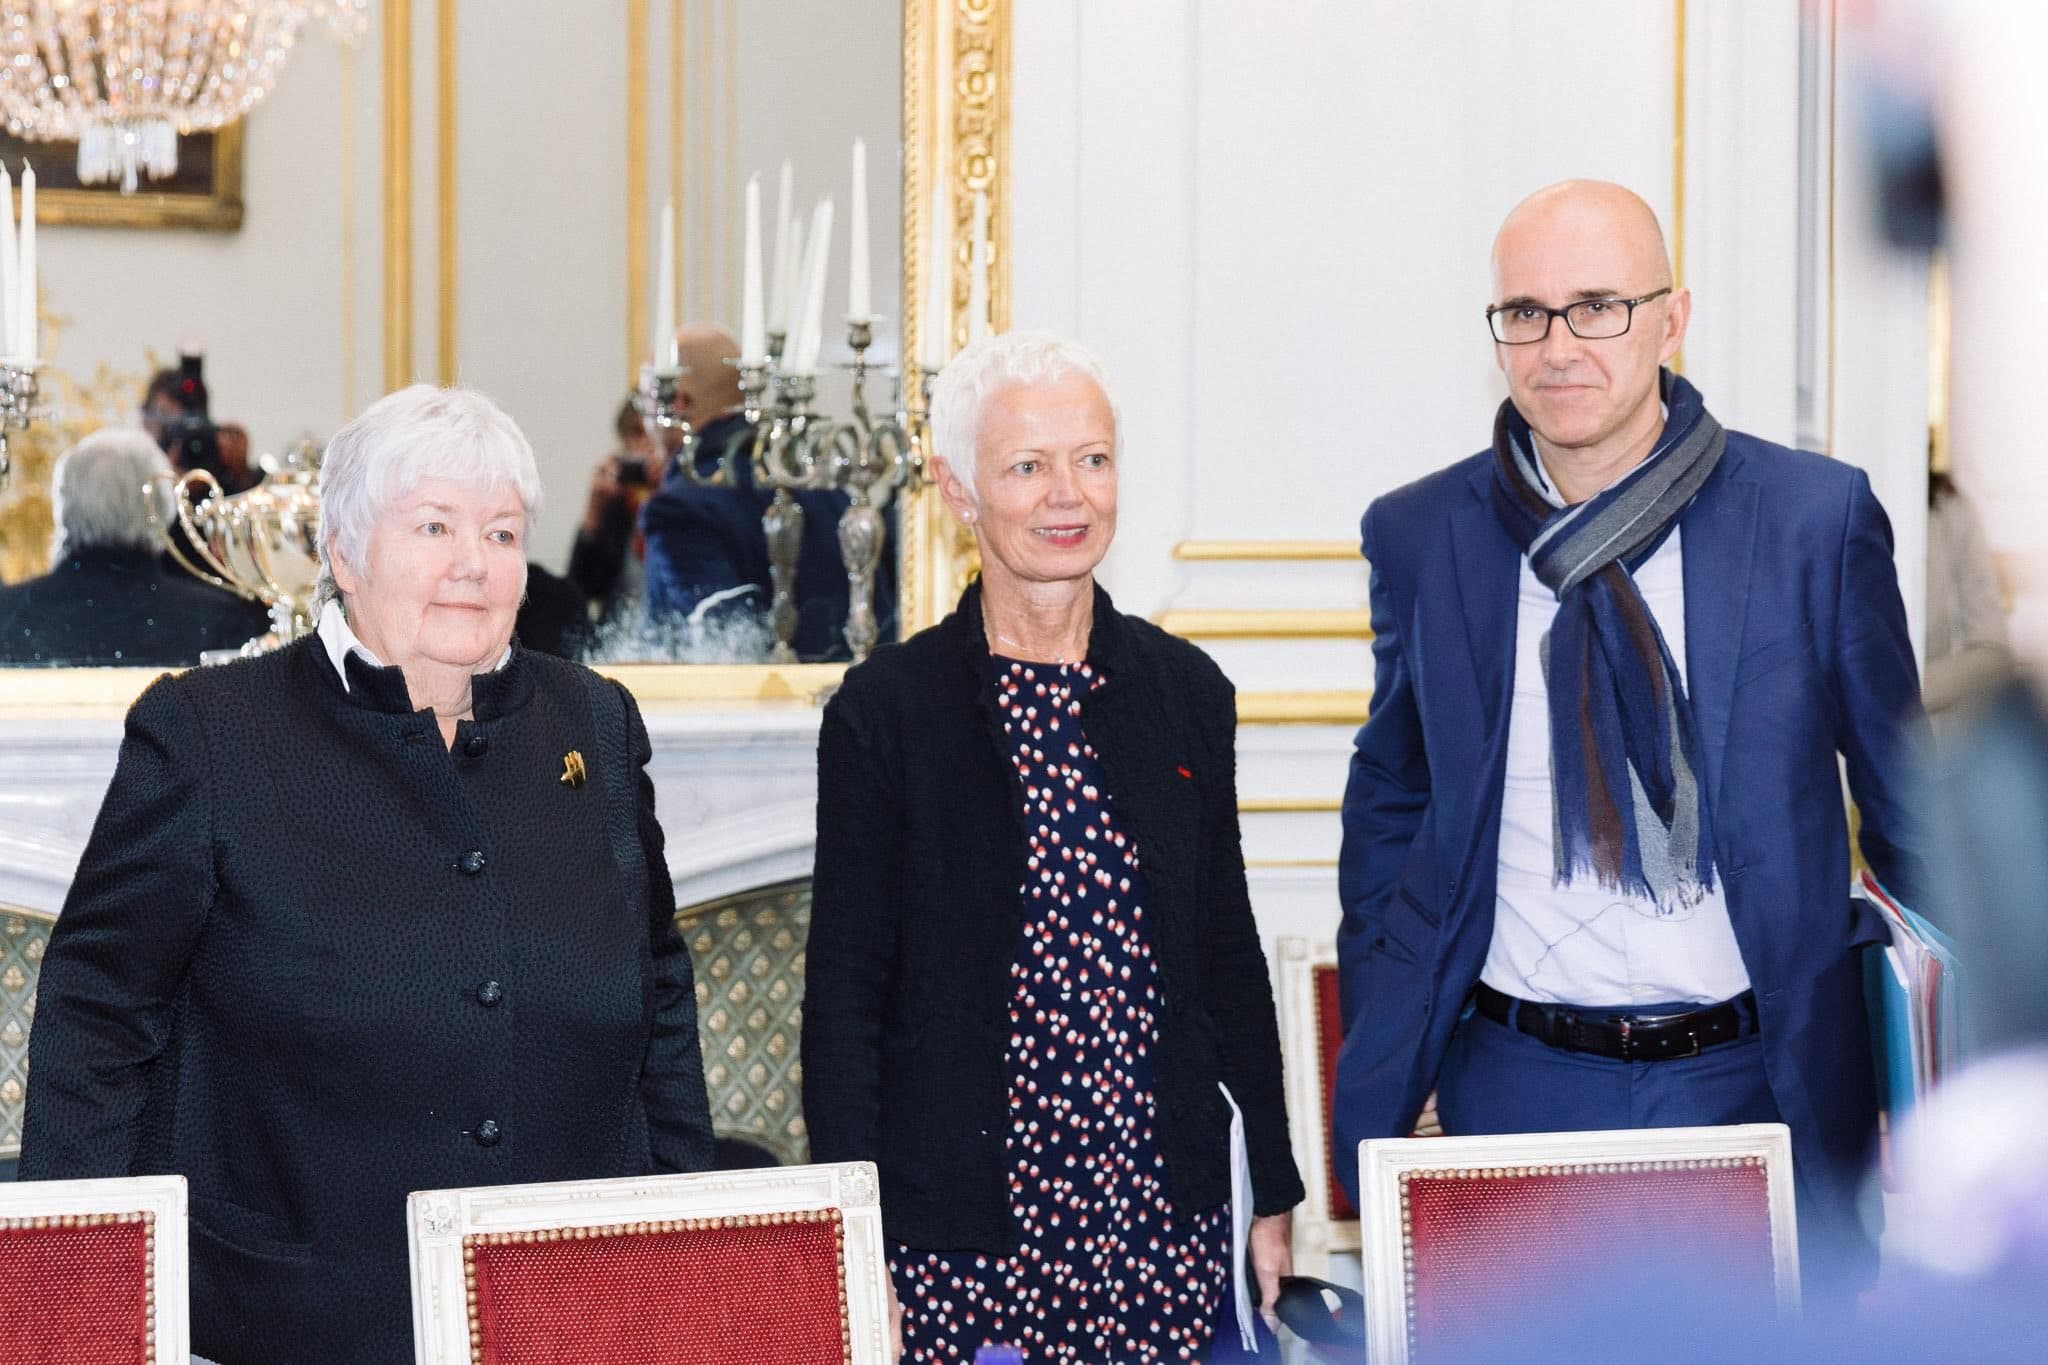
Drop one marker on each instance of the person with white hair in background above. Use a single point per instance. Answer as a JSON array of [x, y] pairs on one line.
[[1035, 991], [109, 597], [382, 911]]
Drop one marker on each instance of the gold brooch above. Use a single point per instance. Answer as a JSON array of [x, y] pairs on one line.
[[573, 771]]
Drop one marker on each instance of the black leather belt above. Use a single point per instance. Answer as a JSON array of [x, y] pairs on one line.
[[1624, 1037]]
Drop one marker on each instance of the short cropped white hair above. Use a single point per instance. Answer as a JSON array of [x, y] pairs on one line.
[[102, 491], [417, 433], [985, 368]]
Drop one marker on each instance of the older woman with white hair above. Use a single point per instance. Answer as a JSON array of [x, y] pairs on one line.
[[1035, 992], [384, 910]]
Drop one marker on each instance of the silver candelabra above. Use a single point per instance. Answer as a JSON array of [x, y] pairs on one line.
[[19, 393], [798, 450]]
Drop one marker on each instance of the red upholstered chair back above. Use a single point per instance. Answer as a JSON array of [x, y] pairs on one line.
[[783, 1264], [1310, 1036], [1311, 1033], [1467, 1236], [674, 1292], [1329, 1039], [92, 1272]]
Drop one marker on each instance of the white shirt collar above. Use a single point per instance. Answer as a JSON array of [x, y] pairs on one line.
[[338, 638]]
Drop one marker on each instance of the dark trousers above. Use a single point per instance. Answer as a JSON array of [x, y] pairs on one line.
[[1495, 1080]]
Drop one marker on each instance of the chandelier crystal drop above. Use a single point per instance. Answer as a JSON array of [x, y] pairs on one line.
[[124, 78]]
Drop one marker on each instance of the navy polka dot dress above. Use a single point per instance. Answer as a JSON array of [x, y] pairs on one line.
[[1106, 1269]]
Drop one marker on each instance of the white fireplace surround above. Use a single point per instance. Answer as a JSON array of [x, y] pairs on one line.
[[735, 789]]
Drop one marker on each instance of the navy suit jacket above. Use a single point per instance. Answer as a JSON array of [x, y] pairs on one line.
[[1796, 650]]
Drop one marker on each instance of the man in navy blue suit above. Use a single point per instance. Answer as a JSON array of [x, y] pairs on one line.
[[1595, 870]]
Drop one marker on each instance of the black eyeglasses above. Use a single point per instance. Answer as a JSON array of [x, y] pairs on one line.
[[1518, 324]]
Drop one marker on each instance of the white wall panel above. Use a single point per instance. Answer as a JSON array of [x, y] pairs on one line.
[[1355, 160], [1274, 220]]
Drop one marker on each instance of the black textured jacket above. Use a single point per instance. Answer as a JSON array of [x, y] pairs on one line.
[[314, 960], [123, 607], [916, 920]]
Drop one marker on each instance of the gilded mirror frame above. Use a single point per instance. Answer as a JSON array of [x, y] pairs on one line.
[[956, 123]]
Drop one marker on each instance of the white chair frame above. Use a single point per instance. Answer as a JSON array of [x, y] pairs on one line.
[[438, 1220], [160, 1196], [1383, 1162], [1318, 1234]]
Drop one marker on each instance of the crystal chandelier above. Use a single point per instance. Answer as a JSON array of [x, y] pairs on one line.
[[124, 79]]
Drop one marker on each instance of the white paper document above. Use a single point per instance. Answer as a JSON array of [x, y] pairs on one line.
[[1240, 1221]]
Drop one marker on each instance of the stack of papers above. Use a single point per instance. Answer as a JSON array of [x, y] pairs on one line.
[[1917, 1024]]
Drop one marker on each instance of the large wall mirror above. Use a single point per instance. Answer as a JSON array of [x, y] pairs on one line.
[[475, 193]]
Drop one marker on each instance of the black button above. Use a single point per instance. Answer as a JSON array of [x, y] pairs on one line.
[[471, 862], [487, 1133], [489, 994], [476, 746]]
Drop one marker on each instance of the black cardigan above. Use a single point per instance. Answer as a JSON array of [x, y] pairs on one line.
[[314, 960], [916, 920]]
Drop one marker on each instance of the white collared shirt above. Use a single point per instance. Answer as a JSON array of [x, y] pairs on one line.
[[338, 638], [1581, 944]]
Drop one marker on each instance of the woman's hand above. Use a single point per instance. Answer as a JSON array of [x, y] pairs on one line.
[[1272, 1252], [895, 1321]]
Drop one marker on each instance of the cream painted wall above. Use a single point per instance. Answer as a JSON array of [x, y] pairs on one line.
[[1272, 222], [541, 208]]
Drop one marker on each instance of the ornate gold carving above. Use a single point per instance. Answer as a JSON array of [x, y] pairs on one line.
[[956, 119]]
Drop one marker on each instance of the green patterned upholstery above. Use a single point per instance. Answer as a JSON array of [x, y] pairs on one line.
[[748, 953], [24, 937]]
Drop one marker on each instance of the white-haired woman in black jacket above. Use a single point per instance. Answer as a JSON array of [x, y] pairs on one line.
[[384, 910], [1033, 971]]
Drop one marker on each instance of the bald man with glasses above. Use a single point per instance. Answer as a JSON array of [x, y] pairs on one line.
[[1595, 871]]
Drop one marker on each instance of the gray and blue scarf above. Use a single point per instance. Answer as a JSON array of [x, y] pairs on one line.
[[1628, 806]]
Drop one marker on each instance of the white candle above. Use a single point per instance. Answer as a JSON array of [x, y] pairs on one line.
[[934, 328], [665, 291], [779, 301], [10, 264], [792, 304], [25, 300], [753, 323], [858, 276], [813, 327], [977, 278]]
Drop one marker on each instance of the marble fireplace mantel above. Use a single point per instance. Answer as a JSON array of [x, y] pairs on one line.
[[734, 788]]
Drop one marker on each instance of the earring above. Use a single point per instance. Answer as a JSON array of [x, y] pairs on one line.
[[968, 516]]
